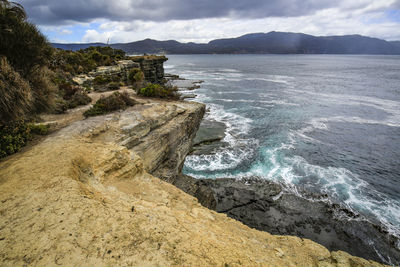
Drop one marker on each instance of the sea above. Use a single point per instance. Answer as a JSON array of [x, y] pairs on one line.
[[326, 124]]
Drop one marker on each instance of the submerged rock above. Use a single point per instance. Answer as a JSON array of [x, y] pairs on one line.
[[208, 138]]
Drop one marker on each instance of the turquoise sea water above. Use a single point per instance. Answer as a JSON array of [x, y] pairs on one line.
[[326, 123]]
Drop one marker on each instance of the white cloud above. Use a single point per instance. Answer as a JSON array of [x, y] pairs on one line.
[[331, 21], [365, 17], [66, 32]]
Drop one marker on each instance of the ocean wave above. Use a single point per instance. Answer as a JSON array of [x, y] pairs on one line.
[[322, 124], [391, 107], [270, 102], [348, 188], [294, 172], [238, 149], [273, 78], [228, 70]]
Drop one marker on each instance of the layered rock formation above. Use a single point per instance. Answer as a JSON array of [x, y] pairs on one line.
[[152, 67], [84, 197]]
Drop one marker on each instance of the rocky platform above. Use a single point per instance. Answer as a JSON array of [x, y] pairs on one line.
[[86, 196], [269, 207]]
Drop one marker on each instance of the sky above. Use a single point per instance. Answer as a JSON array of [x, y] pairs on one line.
[[121, 21]]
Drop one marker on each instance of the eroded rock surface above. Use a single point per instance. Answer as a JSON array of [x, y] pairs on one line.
[[267, 206], [84, 196]]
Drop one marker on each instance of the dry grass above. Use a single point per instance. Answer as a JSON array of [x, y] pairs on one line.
[[16, 96]]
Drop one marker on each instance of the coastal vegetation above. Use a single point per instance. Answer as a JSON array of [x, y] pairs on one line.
[[104, 105], [37, 78], [14, 136], [136, 77], [160, 91], [25, 56], [85, 60]]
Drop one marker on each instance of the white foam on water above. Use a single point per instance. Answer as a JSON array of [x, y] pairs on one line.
[[234, 92], [238, 148], [340, 184], [228, 70], [169, 66], [268, 102], [273, 79], [391, 107], [322, 124], [226, 79], [315, 123], [353, 119]]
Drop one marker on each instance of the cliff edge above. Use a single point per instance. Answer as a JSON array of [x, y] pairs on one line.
[[85, 196]]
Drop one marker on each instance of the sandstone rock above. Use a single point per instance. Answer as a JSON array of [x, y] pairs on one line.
[[152, 67], [68, 201]]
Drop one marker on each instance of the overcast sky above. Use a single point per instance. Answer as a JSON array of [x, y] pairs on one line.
[[203, 20]]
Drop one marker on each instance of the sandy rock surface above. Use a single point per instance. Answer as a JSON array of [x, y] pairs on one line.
[[84, 197]]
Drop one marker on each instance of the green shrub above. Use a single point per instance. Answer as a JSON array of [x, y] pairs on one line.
[[78, 99], [151, 90], [39, 129], [115, 78], [85, 60], [60, 106], [67, 90], [136, 78], [113, 86], [113, 102], [139, 77], [102, 79], [132, 73], [156, 90], [13, 136], [43, 89]]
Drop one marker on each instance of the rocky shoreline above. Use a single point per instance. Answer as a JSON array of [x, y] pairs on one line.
[[85, 196], [268, 206], [90, 194]]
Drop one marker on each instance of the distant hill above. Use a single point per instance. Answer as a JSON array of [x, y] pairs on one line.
[[75, 47], [262, 43]]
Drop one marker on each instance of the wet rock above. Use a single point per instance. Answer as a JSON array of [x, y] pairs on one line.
[[185, 96], [267, 206], [208, 137], [184, 84]]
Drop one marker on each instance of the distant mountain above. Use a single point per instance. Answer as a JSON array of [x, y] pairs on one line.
[[75, 47], [262, 43]]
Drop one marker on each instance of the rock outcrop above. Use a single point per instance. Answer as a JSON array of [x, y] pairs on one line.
[[152, 67], [84, 196], [267, 206]]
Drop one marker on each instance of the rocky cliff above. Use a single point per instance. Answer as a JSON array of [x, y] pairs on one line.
[[152, 67], [84, 196]]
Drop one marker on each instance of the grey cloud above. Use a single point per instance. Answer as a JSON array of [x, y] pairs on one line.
[[54, 12], [396, 4]]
